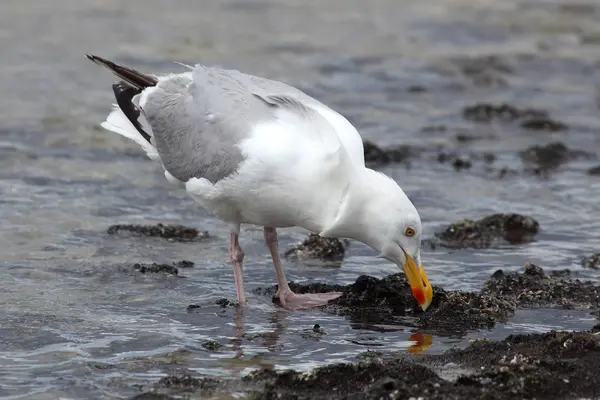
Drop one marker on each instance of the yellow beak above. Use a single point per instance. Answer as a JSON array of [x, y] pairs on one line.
[[419, 283]]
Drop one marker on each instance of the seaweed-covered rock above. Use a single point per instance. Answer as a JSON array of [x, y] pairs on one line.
[[362, 380], [486, 232], [530, 118], [484, 112], [595, 171], [458, 312], [543, 124], [374, 155], [542, 159], [187, 384], [458, 162], [555, 365], [533, 288], [319, 248], [212, 345], [155, 268], [373, 301], [484, 71], [170, 232], [592, 261]]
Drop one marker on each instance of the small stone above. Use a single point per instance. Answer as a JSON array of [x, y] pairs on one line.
[[592, 261], [544, 124], [319, 248], [461, 163], [212, 345], [156, 268], [224, 303], [594, 171]]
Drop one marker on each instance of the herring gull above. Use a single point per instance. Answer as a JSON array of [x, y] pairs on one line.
[[257, 151]]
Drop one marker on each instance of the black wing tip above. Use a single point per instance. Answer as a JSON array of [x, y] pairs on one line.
[[124, 93], [97, 60], [128, 74]]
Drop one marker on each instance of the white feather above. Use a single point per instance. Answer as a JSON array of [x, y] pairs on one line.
[[117, 122]]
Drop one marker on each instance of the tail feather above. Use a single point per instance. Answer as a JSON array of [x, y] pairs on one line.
[[124, 95], [118, 122], [125, 117], [130, 75]]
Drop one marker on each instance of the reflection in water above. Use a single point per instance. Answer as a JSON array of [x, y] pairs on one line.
[[236, 342], [423, 341], [271, 339]]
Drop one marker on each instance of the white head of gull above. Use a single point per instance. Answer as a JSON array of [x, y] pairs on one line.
[[257, 151]]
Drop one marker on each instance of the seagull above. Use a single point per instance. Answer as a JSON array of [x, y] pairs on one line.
[[251, 150]]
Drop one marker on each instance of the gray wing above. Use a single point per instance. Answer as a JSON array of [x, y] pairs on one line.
[[198, 119]]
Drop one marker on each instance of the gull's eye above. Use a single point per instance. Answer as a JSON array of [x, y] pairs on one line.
[[410, 232]]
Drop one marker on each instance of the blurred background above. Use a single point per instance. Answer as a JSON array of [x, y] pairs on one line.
[[76, 319]]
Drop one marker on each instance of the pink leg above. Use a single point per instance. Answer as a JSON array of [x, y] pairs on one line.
[[237, 258], [288, 298]]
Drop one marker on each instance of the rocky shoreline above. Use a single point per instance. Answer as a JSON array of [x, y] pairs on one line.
[[530, 366]]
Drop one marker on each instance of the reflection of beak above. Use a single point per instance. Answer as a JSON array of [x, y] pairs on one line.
[[419, 283], [423, 340]]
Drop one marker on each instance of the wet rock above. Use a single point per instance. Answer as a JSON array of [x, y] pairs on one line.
[[374, 155], [151, 396], [156, 268], [546, 157], [372, 301], [319, 248], [417, 89], [542, 159], [464, 138], [594, 171], [533, 288], [529, 118], [461, 163], [592, 261], [458, 162], [434, 129], [484, 71], [458, 312], [187, 384], [315, 333], [212, 345], [484, 233], [362, 380], [484, 112], [555, 365], [543, 124], [224, 303], [178, 233]]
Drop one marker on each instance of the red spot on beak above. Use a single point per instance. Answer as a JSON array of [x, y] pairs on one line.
[[419, 295]]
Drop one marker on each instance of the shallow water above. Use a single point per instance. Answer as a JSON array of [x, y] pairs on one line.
[[78, 322]]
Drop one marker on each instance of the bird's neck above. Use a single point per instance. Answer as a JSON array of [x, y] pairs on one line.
[[358, 215]]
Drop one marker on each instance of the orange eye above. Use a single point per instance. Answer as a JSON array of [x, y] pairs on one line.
[[409, 232]]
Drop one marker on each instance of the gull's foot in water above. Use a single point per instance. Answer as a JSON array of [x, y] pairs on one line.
[[294, 301]]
